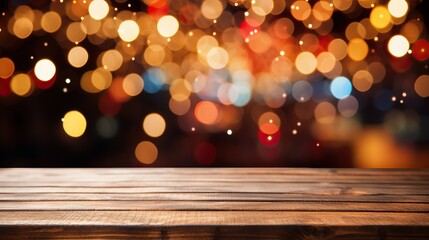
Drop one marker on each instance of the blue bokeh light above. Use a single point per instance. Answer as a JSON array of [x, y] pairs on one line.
[[341, 87], [154, 79]]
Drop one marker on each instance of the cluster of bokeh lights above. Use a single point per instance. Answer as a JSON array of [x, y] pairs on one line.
[[216, 57]]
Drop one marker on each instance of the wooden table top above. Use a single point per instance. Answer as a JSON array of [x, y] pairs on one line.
[[214, 203]]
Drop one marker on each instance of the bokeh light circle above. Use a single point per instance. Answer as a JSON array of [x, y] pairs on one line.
[[45, 69], [146, 152], [74, 123], [154, 125], [398, 46], [341, 87]]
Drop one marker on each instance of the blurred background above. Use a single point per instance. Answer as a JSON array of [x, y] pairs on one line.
[[156, 83]]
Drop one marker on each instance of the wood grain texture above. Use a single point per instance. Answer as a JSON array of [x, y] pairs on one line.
[[215, 203]]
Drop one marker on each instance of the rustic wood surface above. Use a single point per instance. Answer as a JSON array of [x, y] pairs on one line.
[[215, 203]]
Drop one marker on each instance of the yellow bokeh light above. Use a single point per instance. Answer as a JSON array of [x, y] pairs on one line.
[[398, 45], [217, 58], [74, 123], [128, 30], [380, 17], [45, 70], [146, 152], [154, 125], [98, 9], [205, 44], [75, 32], [100, 79], [306, 62], [112, 60], [211, 9], [7, 67], [77, 57], [21, 84], [343, 5], [167, 26], [338, 47], [133, 84], [51, 21], [421, 86], [397, 8], [322, 10], [180, 89], [325, 62], [262, 7], [300, 10], [154, 55], [22, 28], [362, 80], [357, 49]]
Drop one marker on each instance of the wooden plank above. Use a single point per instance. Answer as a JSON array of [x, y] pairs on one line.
[[212, 197], [187, 232], [213, 206], [169, 203], [210, 218], [217, 171], [250, 188]]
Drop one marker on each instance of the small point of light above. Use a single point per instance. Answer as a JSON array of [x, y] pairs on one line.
[[317, 144], [246, 14], [404, 94], [402, 101], [376, 39], [229, 132], [65, 90], [214, 21], [411, 51], [294, 132], [31, 57], [282, 53], [284, 95], [193, 129], [45, 44], [298, 124], [393, 99], [301, 42], [68, 80], [129, 5], [133, 58], [269, 138]]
